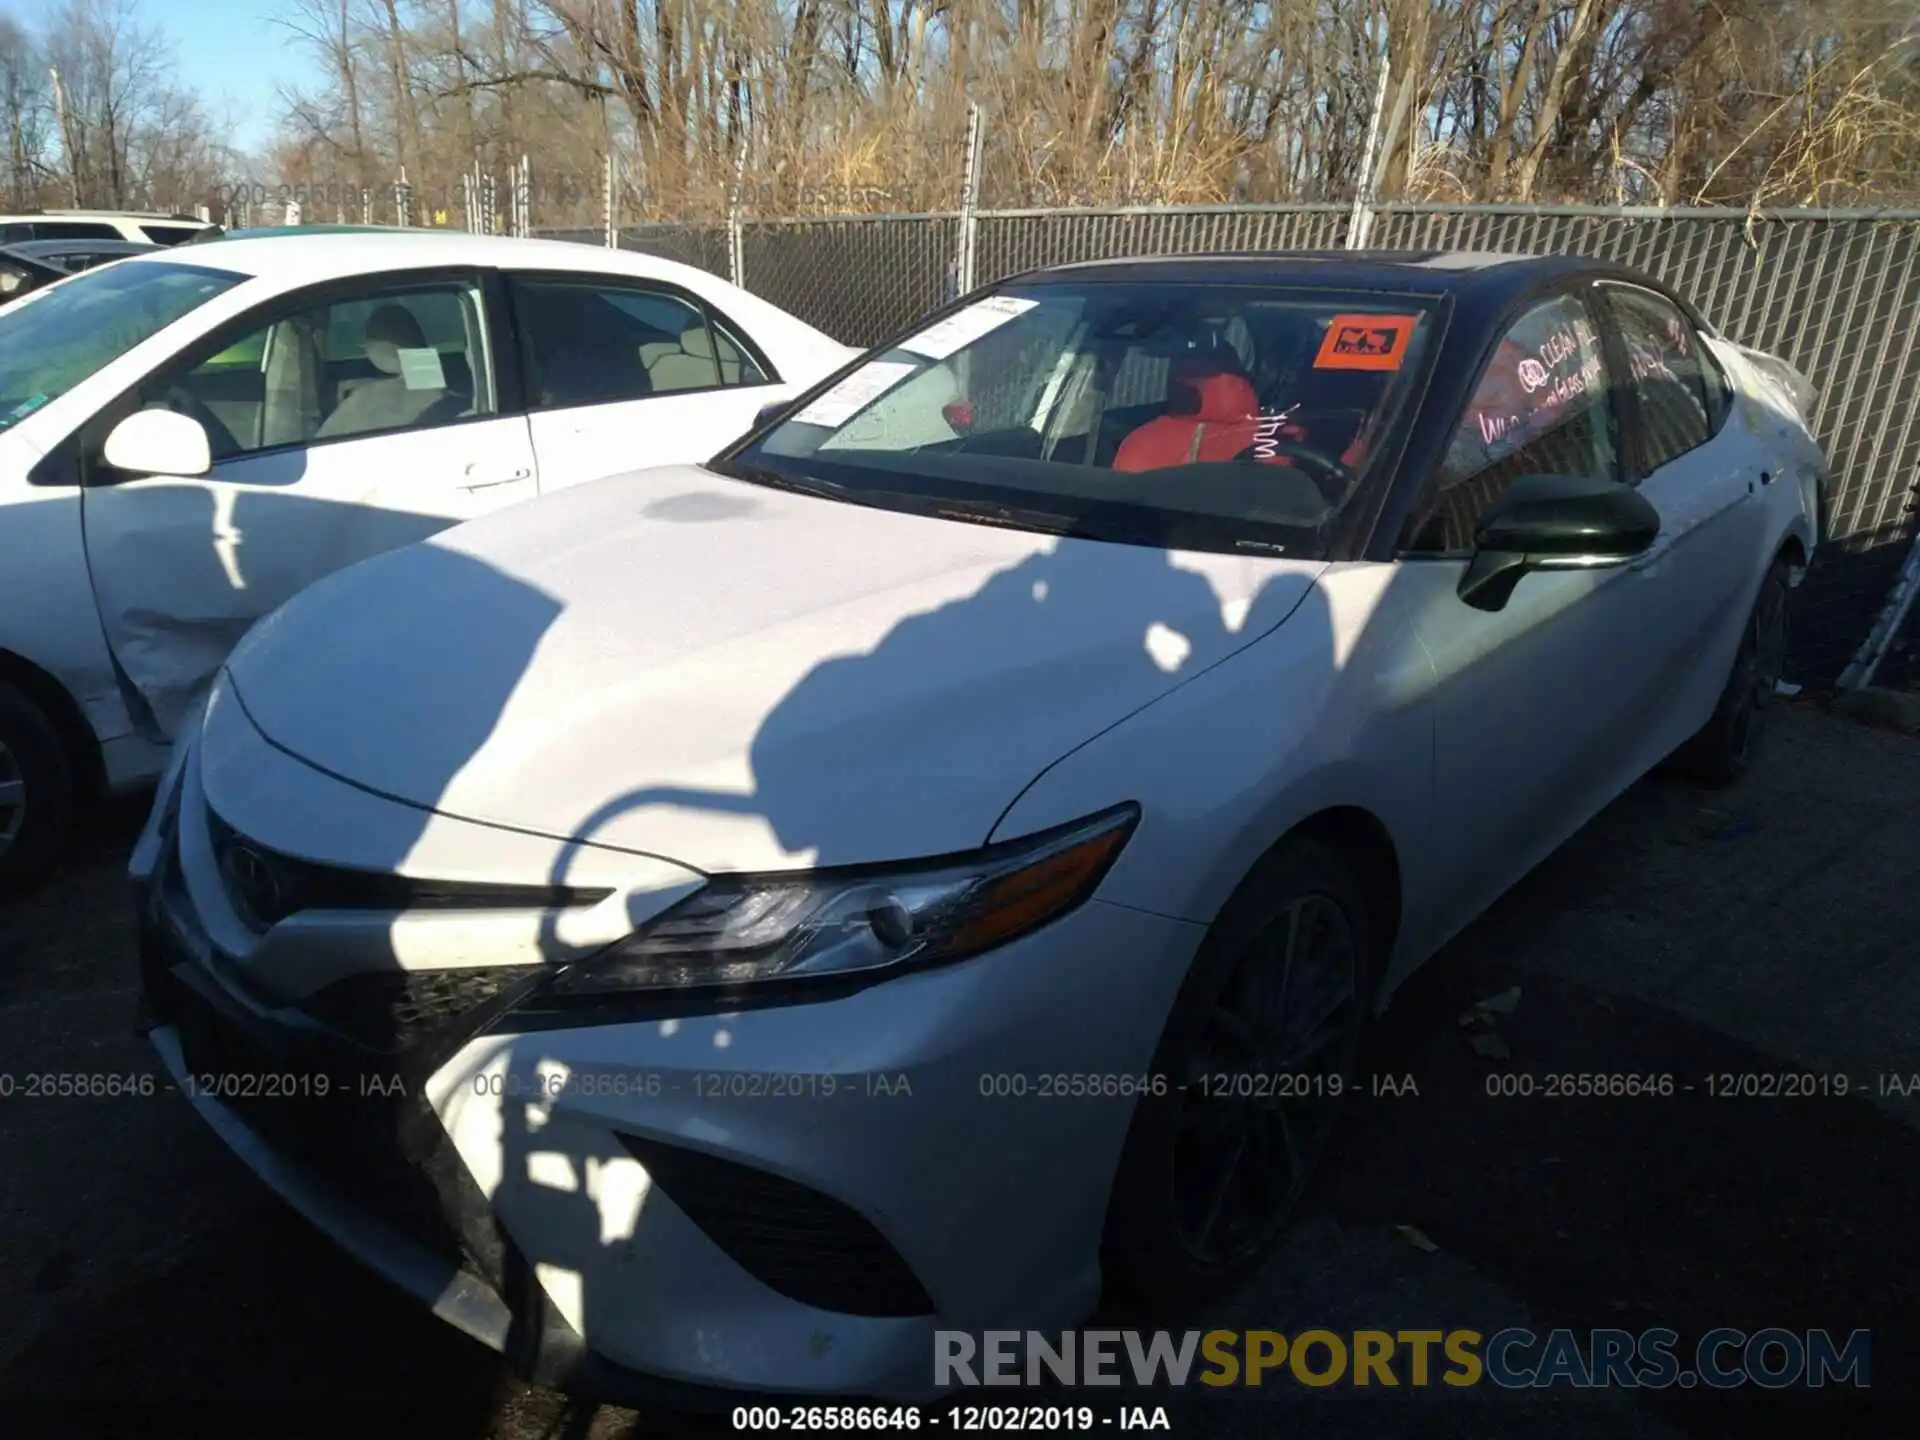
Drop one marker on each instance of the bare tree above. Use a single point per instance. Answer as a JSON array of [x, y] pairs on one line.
[[25, 101], [130, 136], [861, 103]]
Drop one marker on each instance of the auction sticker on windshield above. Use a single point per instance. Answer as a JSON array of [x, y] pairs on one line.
[[858, 390], [963, 327], [1365, 342]]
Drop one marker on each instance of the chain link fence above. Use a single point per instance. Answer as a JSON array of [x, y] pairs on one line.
[[1836, 293], [868, 279]]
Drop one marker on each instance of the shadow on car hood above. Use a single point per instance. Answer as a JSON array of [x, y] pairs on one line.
[[738, 677]]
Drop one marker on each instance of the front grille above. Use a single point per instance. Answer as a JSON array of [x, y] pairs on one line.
[[341, 1120], [355, 1142], [391, 1010], [266, 886], [794, 1240]]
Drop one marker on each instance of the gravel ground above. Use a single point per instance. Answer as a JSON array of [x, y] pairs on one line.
[[150, 1283]]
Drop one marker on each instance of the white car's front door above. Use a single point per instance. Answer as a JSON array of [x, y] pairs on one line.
[[342, 424], [623, 374]]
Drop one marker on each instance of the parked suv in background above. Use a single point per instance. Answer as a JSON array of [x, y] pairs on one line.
[[155, 227]]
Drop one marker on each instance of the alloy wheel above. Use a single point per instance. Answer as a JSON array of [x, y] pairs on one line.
[[1263, 1084], [1763, 652], [13, 799]]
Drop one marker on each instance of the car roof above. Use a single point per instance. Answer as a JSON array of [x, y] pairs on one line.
[[20, 256], [170, 217], [77, 246], [261, 232], [1428, 271], [294, 258]]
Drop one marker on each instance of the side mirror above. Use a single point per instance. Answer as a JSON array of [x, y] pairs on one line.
[[768, 413], [1555, 522], [159, 442]]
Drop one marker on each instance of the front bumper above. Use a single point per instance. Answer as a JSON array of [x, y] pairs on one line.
[[647, 1205]]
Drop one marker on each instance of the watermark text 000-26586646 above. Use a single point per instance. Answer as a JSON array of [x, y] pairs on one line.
[[323, 194]]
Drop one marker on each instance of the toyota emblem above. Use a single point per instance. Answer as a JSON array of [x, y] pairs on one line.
[[255, 882]]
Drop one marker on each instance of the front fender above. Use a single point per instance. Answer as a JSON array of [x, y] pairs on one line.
[[1330, 710]]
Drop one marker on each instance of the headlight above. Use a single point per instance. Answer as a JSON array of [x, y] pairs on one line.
[[748, 929]]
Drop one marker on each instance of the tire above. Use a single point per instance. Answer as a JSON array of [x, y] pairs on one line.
[[1159, 1245], [1723, 749], [36, 792]]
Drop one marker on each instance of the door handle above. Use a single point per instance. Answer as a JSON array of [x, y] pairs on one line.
[[510, 478]]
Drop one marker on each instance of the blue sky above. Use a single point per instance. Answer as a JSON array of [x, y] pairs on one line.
[[235, 57]]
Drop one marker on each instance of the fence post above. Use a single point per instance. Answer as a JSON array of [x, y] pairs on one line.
[[609, 207], [969, 201], [523, 199], [366, 206], [402, 202], [736, 237], [1361, 221], [489, 206]]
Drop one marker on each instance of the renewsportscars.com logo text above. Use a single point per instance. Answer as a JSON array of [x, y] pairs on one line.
[[1511, 1359]]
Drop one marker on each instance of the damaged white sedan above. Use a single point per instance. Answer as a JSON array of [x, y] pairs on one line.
[[188, 439], [732, 926]]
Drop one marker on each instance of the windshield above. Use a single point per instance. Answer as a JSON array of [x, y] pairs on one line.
[[54, 340], [1207, 417]]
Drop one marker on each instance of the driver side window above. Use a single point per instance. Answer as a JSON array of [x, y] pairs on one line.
[[380, 361], [1542, 407]]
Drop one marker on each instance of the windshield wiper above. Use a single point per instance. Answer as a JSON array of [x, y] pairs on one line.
[[774, 480], [980, 512], [983, 512]]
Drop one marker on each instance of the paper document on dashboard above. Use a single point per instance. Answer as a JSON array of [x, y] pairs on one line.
[[963, 327], [858, 390]]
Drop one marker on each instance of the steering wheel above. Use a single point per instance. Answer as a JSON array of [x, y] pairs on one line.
[[1326, 472], [221, 439]]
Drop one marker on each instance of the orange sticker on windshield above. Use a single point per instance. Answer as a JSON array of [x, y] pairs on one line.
[[1365, 342]]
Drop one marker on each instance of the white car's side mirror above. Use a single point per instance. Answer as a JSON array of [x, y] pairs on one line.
[[159, 442]]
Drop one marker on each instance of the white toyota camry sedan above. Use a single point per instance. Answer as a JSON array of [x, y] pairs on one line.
[[936, 860], [187, 438]]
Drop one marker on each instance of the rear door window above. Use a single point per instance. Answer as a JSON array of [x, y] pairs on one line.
[[599, 340], [1677, 386]]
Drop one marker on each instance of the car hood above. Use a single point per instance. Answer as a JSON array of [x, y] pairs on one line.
[[737, 677]]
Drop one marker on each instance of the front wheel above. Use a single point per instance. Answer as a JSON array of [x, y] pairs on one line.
[[1261, 1043], [36, 792], [1724, 748]]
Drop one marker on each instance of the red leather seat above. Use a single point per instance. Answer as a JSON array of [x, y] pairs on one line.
[[1211, 416]]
